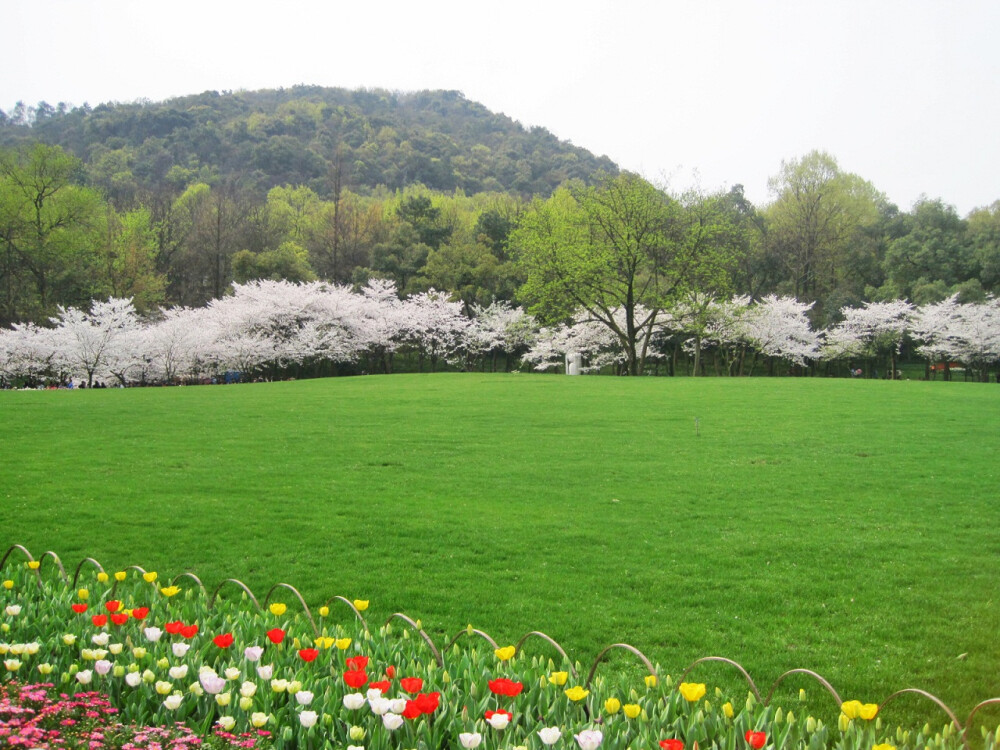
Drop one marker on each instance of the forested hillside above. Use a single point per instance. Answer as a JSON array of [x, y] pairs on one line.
[[305, 135]]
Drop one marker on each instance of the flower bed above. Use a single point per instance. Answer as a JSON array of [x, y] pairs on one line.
[[232, 671]]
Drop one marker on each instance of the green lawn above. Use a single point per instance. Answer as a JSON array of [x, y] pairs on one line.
[[846, 526]]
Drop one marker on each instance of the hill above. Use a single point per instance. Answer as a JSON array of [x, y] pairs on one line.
[[306, 135]]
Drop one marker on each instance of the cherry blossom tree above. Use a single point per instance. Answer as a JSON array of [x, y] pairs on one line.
[[436, 325], [26, 351], [779, 327], [931, 325], [499, 327], [599, 345], [383, 323], [85, 343], [871, 331]]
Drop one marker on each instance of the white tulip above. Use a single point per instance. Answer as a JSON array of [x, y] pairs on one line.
[[392, 721], [550, 735], [589, 739], [354, 701], [470, 740]]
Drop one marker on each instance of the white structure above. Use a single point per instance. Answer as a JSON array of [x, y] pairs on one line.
[[574, 363]]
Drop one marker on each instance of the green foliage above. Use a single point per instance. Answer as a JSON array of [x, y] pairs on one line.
[[289, 262], [818, 215], [50, 230], [127, 260]]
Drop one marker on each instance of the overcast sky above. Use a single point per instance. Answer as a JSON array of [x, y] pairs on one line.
[[905, 94]]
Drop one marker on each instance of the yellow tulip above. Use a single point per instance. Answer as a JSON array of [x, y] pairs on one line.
[[83, 594], [576, 693], [120, 576], [505, 653], [851, 709], [361, 604], [727, 709], [325, 641], [868, 711], [8, 584], [277, 608], [102, 577], [343, 643], [170, 591], [844, 722], [34, 564], [149, 577], [883, 747], [632, 710], [324, 611], [692, 691], [651, 680], [559, 678], [612, 705]]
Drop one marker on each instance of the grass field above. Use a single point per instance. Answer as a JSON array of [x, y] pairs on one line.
[[849, 527]]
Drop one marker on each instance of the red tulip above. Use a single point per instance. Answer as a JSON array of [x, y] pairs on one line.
[[222, 641], [756, 739], [384, 686], [79, 608], [113, 605], [427, 702], [503, 686], [412, 710], [119, 618], [276, 635], [100, 620], [309, 654], [174, 627], [140, 613], [672, 744], [188, 631], [357, 662], [411, 684], [390, 672], [356, 678]]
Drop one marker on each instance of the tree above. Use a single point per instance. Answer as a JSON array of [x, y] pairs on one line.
[[289, 262], [871, 331], [984, 236], [622, 251], [817, 212], [932, 257], [470, 272], [419, 212], [127, 259], [49, 231], [86, 343]]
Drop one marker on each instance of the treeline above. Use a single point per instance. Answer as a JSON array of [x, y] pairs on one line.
[[168, 204]]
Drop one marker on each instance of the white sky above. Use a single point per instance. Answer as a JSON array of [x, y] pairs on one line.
[[905, 93]]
